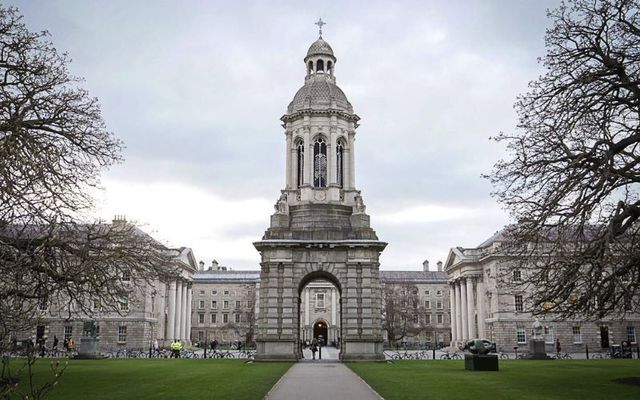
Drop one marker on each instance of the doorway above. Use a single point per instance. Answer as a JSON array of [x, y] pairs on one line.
[[604, 337], [320, 332]]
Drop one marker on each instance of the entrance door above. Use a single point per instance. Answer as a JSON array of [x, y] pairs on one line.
[[320, 331], [604, 337]]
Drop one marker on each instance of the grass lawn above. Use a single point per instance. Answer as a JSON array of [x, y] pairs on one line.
[[517, 379], [162, 379]]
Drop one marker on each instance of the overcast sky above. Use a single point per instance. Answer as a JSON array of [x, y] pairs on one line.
[[196, 89]]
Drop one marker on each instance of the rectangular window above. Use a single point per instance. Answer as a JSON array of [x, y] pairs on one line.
[[548, 335], [427, 318], [214, 304], [122, 334], [201, 292], [439, 305], [518, 302], [214, 292], [237, 317], [577, 335], [201, 304], [427, 292], [249, 303], [238, 304], [43, 303], [320, 300], [517, 275], [214, 318], [631, 334], [521, 335], [226, 292], [200, 336], [96, 305], [201, 318], [225, 304], [68, 332], [427, 304], [439, 318], [225, 318], [126, 276], [124, 305], [438, 292]]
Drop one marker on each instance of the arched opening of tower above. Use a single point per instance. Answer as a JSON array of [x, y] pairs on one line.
[[320, 163], [320, 318]]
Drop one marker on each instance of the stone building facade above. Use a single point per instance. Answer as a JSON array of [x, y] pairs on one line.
[[155, 312], [488, 307]]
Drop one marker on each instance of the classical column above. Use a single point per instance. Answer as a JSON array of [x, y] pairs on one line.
[[171, 317], [183, 313], [334, 306], [463, 309], [481, 315], [178, 333], [332, 155], [306, 306], [456, 285], [452, 310], [308, 158], [352, 160], [470, 310], [289, 183], [189, 294]]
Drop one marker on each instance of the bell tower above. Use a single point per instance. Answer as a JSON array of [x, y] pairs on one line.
[[320, 229]]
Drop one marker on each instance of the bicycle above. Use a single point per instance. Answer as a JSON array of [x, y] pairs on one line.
[[503, 356], [562, 356], [451, 356], [601, 355], [222, 354]]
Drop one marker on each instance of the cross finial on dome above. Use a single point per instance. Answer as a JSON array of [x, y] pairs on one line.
[[320, 23]]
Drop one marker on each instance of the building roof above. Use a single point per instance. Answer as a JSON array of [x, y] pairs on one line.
[[320, 47], [319, 93], [414, 276], [223, 276]]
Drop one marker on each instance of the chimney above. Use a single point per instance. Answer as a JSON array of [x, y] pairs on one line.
[[119, 220], [214, 265], [425, 265], [439, 264], [201, 264]]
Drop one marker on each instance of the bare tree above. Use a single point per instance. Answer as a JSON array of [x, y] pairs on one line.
[[403, 314], [572, 177], [53, 145], [247, 326]]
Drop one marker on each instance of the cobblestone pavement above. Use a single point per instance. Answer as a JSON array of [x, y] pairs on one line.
[[321, 381]]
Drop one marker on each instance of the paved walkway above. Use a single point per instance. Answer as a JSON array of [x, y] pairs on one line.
[[321, 381]]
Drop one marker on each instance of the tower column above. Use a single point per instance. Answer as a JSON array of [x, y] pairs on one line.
[[288, 162], [352, 168], [306, 306], [308, 158], [331, 150], [334, 305], [188, 317]]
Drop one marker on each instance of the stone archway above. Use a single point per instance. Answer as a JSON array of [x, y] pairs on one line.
[[288, 265]]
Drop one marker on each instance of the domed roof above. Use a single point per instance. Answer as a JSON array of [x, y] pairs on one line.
[[320, 47], [318, 94]]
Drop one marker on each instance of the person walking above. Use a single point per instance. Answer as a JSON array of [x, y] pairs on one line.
[[176, 346], [55, 342], [314, 348], [558, 348], [70, 344]]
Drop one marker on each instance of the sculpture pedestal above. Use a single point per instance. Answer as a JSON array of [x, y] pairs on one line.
[[537, 350], [89, 348], [481, 362]]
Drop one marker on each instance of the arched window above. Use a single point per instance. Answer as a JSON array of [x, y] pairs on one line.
[[329, 65], [300, 163], [320, 66], [339, 164], [310, 67], [320, 163]]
